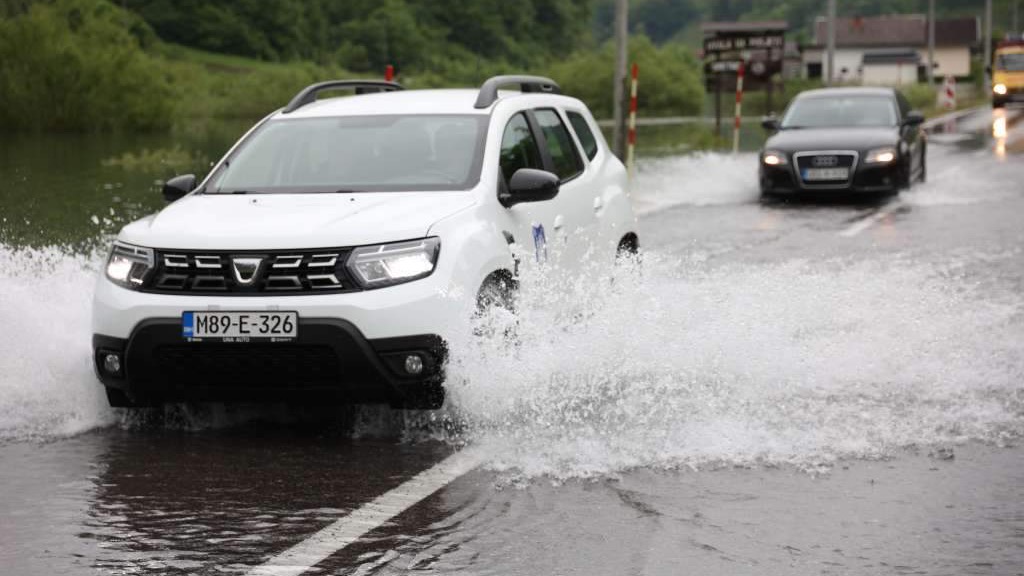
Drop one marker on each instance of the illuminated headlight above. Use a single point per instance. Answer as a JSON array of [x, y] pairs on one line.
[[999, 89], [387, 264], [773, 158], [129, 265], [881, 156]]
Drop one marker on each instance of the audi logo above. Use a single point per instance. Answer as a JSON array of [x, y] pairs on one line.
[[825, 161]]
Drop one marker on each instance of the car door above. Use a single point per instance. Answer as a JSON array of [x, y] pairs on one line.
[[531, 222], [574, 219]]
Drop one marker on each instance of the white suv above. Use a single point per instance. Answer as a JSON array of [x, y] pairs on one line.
[[327, 254]]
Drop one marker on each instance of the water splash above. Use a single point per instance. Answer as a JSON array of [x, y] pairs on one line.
[[47, 387], [674, 364]]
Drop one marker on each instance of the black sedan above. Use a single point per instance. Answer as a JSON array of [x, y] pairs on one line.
[[833, 140]]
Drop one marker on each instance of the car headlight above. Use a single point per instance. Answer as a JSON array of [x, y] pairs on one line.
[[129, 265], [773, 158], [999, 89], [880, 155], [389, 264]]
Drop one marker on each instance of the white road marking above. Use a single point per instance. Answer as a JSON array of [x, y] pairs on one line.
[[869, 221], [373, 515]]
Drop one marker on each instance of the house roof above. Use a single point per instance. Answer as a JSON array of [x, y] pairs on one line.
[[897, 30], [709, 28], [891, 57]]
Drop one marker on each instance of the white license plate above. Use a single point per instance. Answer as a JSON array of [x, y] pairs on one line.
[[826, 173], [240, 326]]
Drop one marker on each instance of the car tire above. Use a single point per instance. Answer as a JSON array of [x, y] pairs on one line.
[[629, 247], [906, 176], [498, 290]]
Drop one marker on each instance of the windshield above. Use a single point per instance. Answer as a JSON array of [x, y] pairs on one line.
[[1011, 62], [836, 111], [356, 154]]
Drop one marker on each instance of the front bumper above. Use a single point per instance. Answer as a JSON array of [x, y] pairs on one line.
[[330, 360], [1013, 95], [348, 346], [870, 179]]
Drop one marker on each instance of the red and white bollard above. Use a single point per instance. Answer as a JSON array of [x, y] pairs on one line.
[[739, 108], [631, 137]]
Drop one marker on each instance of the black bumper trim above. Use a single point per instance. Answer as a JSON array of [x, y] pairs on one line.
[[330, 361]]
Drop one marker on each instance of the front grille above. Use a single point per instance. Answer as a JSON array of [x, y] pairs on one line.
[[252, 365], [825, 159], [251, 273]]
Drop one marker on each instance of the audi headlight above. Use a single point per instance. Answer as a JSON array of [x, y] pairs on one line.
[[389, 264], [129, 265], [773, 158], [999, 89], [881, 155]]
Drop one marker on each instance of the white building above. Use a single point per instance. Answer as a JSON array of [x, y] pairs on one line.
[[882, 49]]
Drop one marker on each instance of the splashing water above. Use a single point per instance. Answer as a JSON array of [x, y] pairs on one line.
[[697, 179], [663, 364], [674, 365], [47, 386]]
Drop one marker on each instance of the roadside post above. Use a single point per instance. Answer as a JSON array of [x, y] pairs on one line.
[[739, 109], [389, 73], [947, 96], [631, 141]]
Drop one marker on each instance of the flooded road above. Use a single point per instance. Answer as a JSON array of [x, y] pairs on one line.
[[797, 388]]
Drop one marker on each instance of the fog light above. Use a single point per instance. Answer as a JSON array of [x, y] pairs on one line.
[[112, 363], [413, 364]]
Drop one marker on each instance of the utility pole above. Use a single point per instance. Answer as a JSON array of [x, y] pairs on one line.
[[931, 43], [988, 48], [830, 43], [619, 93]]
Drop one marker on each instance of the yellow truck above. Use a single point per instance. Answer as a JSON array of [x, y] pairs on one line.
[[1008, 73]]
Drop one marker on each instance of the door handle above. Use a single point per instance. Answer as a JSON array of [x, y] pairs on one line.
[[559, 223], [598, 204]]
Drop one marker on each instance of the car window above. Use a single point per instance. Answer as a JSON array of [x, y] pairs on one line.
[[519, 148], [579, 124], [566, 162], [840, 111], [357, 153]]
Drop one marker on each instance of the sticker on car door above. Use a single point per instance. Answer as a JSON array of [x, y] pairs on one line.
[[540, 243]]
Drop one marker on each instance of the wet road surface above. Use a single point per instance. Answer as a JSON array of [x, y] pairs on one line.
[[814, 388]]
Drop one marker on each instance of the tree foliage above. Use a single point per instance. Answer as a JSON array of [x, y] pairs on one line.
[[669, 78], [79, 64]]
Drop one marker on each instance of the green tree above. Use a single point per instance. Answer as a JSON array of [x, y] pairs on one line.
[[78, 65]]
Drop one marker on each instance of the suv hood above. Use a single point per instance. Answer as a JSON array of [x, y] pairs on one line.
[[796, 140], [293, 221]]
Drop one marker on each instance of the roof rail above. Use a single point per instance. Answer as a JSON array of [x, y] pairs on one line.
[[489, 90], [308, 94]]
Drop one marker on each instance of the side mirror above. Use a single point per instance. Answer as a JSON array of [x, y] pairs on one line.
[[529, 185], [178, 186], [914, 118], [770, 123]]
